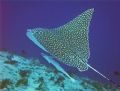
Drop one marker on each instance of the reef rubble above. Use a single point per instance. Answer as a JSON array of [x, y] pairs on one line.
[[18, 73]]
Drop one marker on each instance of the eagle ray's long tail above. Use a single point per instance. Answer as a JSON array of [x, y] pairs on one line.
[[98, 72]]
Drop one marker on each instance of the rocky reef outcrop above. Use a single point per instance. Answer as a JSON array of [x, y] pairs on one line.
[[18, 73]]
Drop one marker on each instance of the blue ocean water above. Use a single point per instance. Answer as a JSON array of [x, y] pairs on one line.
[[104, 31]]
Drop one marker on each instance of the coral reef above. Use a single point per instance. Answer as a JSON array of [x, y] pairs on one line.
[[18, 73]]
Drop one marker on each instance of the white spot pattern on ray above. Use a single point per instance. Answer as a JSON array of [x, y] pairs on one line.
[[69, 43]]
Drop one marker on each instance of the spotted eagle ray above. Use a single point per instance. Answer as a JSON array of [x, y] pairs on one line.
[[68, 43]]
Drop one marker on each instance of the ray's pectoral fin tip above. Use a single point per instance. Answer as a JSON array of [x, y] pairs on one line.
[[57, 65], [32, 38]]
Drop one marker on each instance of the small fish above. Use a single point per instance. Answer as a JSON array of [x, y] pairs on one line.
[[68, 43], [117, 73], [23, 53]]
